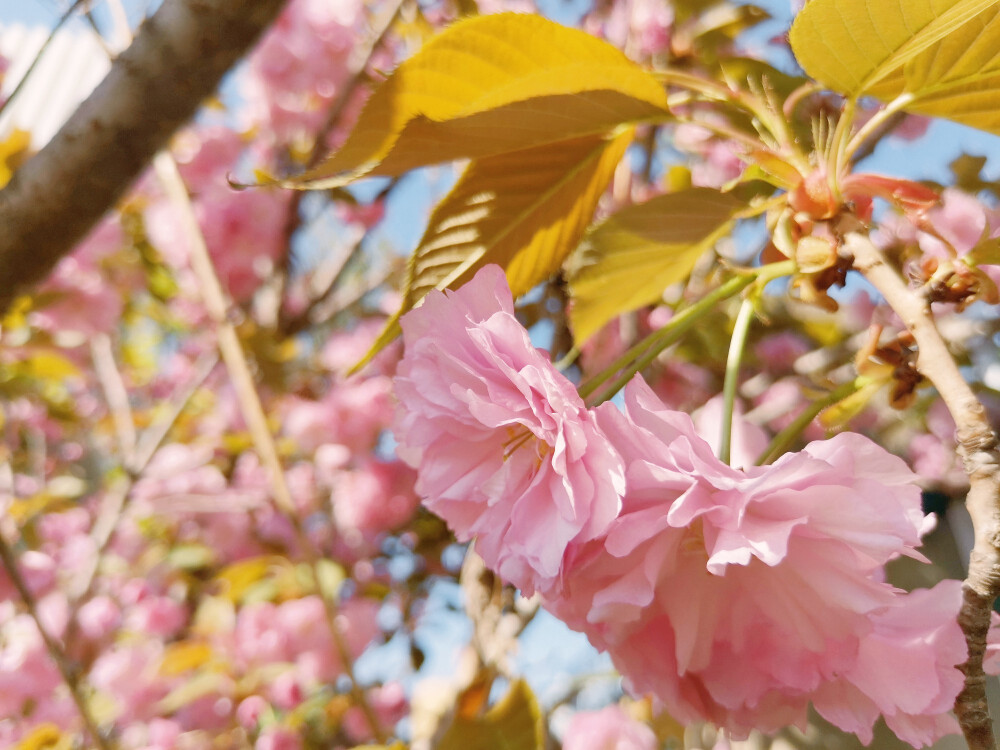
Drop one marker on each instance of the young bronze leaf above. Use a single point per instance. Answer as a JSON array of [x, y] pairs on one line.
[[860, 47], [629, 259], [491, 85], [524, 211]]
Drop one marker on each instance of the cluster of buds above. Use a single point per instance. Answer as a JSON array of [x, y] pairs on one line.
[[809, 229], [948, 269], [894, 362]]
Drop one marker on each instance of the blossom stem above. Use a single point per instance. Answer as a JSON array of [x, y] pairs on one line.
[[55, 651], [252, 409], [978, 447], [643, 353], [878, 120], [115, 393], [737, 345], [784, 439]]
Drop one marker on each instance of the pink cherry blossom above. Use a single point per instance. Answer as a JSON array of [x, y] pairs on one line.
[[300, 65], [748, 441], [243, 231], [27, 673], [278, 738], [905, 670], [734, 596], [960, 220], [38, 571], [719, 160], [778, 351], [373, 498], [99, 617], [157, 615], [84, 299], [207, 155], [354, 413], [389, 704], [297, 632], [286, 692], [250, 711], [129, 675], [504, 448], [608, 729]]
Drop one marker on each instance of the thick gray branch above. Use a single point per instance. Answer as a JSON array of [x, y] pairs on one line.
[[176, 61]]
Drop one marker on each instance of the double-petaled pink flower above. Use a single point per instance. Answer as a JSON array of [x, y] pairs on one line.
[[505, 449], [736, 596], [739, 596]]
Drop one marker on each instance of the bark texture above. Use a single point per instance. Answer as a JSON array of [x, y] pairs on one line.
[[980, 451], [177, 59]]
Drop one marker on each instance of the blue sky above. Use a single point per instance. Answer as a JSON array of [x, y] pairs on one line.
[[48, 12]]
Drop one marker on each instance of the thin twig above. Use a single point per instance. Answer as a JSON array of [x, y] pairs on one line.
[[797, 426], [642, 354], [977, 445], [358, 73], [154, 435], [115, 393], [58, 656], [253, 412], [115, 501]]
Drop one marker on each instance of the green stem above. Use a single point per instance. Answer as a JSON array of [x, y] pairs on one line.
[[788, 435], [737, 345], [874, 123], [643, 353], [707, 87]]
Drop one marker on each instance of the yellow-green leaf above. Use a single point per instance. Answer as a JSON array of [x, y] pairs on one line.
[[46, 736], [49, 365], [238, 578], [13, 151], [958, 78], [836, 416], [515, 723], [524, 211], [491, 85], [853, 45], [183, 656], [197, 686], [629, 259]]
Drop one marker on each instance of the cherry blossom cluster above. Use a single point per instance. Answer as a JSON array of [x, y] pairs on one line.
[[195, 619], [733, 595]]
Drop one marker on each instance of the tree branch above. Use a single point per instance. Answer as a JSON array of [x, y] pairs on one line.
[[177, 59], [977, 445]]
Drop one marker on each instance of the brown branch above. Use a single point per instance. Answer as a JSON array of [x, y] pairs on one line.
[[73, 682], [177, 59], [977, 445], [252, 409]]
